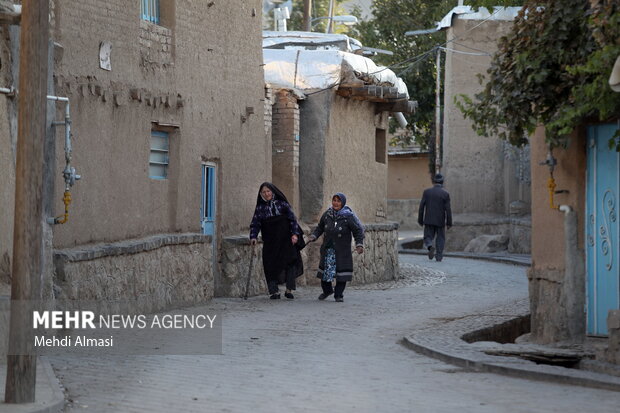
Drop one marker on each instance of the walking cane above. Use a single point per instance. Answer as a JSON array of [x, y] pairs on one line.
[[247, 284]]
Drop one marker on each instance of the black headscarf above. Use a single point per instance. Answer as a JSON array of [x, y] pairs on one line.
[[277, 194]]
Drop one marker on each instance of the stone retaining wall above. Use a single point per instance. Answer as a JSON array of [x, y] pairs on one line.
[[468, 227], [405, 212], [378, 263], [235, 268], [162, 271]]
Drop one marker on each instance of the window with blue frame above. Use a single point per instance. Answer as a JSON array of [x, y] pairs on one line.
[[150, 10], [158, 159]]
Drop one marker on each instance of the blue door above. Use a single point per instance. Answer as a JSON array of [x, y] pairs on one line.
[[602, 228], [207, 208]]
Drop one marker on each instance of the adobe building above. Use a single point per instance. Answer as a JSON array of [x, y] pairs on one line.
[[330, 119], [408, 177], [574, 280], [168, 134], [487, 178]]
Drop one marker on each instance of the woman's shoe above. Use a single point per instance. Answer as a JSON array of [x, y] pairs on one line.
[[339, 299], [290, 296], [275, 296], [323, 296]]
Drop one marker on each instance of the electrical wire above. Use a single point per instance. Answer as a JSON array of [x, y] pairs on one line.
[[461, 52], [418, 58]]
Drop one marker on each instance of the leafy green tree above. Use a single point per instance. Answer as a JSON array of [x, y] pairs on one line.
[[320, 8], [552, 69], [414, 57]]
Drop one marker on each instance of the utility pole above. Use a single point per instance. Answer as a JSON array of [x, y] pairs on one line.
[[26, 271], [438, 114], [330, 21], [307, 15]]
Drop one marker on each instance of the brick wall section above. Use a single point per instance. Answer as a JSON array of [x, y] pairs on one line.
[[268, 109], [155, 44], [285, 143]]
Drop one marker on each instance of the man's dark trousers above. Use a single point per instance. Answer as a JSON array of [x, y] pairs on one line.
[[432, 231]]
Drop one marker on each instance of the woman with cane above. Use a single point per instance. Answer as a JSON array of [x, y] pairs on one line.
[[282, 239]]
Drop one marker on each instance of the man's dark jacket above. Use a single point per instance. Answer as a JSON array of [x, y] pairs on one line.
[[435, 207]]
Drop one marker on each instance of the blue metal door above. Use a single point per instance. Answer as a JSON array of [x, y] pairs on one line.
[[207, 208], [602, 228]]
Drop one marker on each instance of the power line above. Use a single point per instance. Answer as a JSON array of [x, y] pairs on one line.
[[418, 58], [461, 52]]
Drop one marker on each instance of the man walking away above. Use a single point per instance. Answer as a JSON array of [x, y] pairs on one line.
[[435, 214]]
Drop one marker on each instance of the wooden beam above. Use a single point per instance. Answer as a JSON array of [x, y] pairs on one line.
[[404, 106]]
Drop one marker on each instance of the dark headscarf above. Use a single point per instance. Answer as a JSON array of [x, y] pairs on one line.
[[342, 197], [345, 210], [277, 194]]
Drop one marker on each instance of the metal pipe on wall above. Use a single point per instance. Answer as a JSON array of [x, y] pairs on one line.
[[69, 172]]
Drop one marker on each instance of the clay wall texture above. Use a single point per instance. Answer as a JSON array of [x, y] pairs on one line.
[[408, 177], [556, 288], [477, 175], [183, 73], [338, 152]]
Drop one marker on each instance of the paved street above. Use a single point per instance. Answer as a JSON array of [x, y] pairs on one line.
[[308, 356]]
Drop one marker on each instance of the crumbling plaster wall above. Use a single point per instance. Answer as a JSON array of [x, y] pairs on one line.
[[184, 73]]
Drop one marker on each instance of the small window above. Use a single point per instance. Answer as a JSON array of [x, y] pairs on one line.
[[158, 160], [149, 10], [380, 148]]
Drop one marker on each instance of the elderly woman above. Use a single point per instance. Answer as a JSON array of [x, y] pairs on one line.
[[339, 223], [282, 239]]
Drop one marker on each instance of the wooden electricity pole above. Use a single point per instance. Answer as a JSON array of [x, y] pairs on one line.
[[438, 114], [26, 271], [307, 15], [330, 22]]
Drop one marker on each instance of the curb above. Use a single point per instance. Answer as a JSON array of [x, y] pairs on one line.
[[524, 260], [443, 342]]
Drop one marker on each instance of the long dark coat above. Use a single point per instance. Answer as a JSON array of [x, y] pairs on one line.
[[435, 207], [338, 229], [277, 229]]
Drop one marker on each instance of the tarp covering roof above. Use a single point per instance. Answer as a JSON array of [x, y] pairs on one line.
[[468, 13], [299, 68], [309, 40]]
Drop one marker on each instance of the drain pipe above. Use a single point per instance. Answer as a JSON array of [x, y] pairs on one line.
[[574, 278], [69, 172], [9, 92]]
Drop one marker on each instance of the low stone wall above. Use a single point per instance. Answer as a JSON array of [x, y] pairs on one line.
[[235, 268], [405, 212], [612, 353], [162, 271], [379, 262], [469, 226]]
